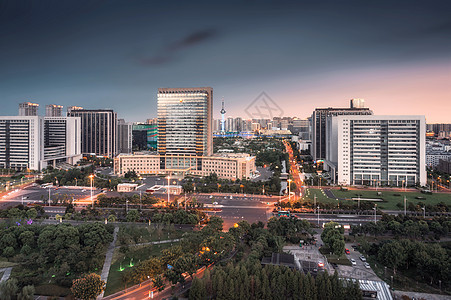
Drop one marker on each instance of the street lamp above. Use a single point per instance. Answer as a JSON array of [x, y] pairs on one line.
[[405, 201], [318, 214], [424, 212], [169, 181], [375, 210], [289, 189], [92, 179]]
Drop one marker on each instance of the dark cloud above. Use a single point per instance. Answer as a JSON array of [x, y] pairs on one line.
[[171, 50]]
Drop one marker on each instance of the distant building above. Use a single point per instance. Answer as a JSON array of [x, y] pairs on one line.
[[440, 130], [144, 137], [124, 136], [53, 110], [370, 150], [444, 165], [436, 151], [357, 103], [319, 118], [99, 130], [28, 109]]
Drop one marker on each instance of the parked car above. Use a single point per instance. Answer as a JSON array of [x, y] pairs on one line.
[[347, 251], [362, 258], [320, 264], [353, 262], [367, 265]]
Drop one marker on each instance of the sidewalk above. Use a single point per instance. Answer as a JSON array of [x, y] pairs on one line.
[[108, 259]]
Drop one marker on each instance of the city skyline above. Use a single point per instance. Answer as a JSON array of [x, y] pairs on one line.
[[116, 55]]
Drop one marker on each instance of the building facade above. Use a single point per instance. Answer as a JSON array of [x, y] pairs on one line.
[[99, 130], [226, 165], [319, 119], [33, 142], [185, 121], [124, 136], [144, 136], [382, 150], [53, 110], [28, 109]]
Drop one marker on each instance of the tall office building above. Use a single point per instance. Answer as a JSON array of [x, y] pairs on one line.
[[35, 142], [319, 118], [99, 130], [53, 110], [28, 109], [383, 150], [144, 136], [124, 136], [185, 121]]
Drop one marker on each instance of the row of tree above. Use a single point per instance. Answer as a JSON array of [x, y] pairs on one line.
[[406, 226], [252, 281], [431, 261]]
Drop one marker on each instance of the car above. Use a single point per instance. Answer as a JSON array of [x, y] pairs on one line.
[[215, 203], [211, 196], [231, 197], [320, 264], [367, 265], [347, 251], [83, 191], [353, 262], [362, 258]]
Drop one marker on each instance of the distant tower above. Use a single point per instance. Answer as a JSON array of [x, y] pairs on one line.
[[222, 116]]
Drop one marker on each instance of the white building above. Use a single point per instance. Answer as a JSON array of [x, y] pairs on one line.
[[226, 165], [35, 142], [382, 150]]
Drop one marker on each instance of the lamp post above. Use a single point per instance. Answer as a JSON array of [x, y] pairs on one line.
[[92, 179], [169, 181], [424, 212], [405, 201], [375, 210], [289, 189], [49, 195], [126, 206], [318, 214], [140, 201]]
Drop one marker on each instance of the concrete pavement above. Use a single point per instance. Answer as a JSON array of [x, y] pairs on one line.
[[6, 273], [108, 259]]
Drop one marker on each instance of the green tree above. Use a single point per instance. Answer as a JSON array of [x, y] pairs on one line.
[[27, 293], [8, 289], [197, 290], [158, 283], [88, 286], [392, 254], [132, 215]]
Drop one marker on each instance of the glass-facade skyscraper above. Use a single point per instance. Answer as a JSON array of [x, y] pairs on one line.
[[185, 121]]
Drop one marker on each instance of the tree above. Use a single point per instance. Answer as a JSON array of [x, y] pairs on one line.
[[88, 286], [132, 215], [197, 290], [158, 283], [392, 254], [8, 289], [27, 293]]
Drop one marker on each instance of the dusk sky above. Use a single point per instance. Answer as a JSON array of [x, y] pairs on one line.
[[116, 54]]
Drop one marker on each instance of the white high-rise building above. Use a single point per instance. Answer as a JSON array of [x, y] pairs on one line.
[[376, 150], [35, 142], [53, 110], [28, 109]]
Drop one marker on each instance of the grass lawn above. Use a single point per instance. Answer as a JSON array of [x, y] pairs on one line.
[[320, 196], [332, 258], [392, 198], [52, 290], [122, 262], [140, 234]]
